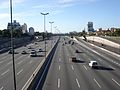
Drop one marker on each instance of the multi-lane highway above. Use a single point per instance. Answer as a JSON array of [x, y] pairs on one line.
[[64, 74], [24, 64]]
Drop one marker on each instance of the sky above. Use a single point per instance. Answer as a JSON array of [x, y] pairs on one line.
[[67, 15]]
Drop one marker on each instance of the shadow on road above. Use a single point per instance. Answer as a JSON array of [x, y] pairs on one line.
[[103, 68]]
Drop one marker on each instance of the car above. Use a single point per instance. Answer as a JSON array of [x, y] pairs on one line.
[[33, 54], [23, 52], [29, 47], [40, 50], [93, 64], [76, 51], [10, 51], [72, 43], [73, 59]]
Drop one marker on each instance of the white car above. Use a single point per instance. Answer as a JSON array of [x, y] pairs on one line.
[[33, 54], [93, 64]]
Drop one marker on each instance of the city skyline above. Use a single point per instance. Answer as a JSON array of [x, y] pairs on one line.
[[67, 15]]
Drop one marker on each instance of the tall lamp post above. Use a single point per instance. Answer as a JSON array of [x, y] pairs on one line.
[[51, 32], [12, 48], [44, 14]]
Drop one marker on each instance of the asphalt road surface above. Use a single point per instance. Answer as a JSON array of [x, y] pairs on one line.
[[64, 74], [24, 64]]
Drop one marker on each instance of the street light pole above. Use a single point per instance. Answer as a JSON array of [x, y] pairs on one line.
[[12, 48], [51, 32], [45, 31]]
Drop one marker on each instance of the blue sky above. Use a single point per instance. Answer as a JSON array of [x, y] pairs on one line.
[[68, 15]]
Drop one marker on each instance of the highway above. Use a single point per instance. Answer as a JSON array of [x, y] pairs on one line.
[[24, 64], [64, 74]]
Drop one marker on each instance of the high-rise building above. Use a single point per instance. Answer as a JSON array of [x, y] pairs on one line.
[[31, 31], [90, 27], [24, 28]]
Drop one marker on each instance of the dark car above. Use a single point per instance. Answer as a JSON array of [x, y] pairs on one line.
[[23, 52], [76, 51], [73, 59]]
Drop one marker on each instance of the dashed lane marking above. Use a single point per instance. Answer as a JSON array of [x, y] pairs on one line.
[[97, 83], [116, 82], [58, 82], [85, 67], [77, 82], [1, 88], [5, 72], [72, 67], [19, 71]]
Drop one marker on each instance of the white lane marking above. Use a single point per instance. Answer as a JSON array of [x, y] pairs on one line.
[[59, 67], [72, 67], [77, 83], [59, 59], [20, 62], [97, 83], [9, 63], [1, 88], [19, 71], [116, 82], [5, 72], [30, 62], [111, 67], [85, 67], [19, 57], [58, 82]]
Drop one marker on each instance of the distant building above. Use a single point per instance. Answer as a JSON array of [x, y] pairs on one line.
[[31, 31], [90, 27], [15, 25], [24, 28]]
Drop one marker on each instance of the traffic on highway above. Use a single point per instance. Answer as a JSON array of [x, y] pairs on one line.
[[80, 66], [75, 65]]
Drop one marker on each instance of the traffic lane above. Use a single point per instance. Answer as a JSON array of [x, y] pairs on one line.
[[106, 64], [71, 79], [64, 80], [20, 69], [8, 59], [52, 76], [17, 69], [103, 75], [106, 55]]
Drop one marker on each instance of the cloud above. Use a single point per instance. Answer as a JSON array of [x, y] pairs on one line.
[[4, 16], [6, 3]]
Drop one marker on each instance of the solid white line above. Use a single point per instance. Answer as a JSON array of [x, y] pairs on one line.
[[5, 72], [58, 82], [1, 88], [85, 67], [116, 82], [72, 67], [77, 83], [97, 82], [59, 67], [19, 71], [20, 62]]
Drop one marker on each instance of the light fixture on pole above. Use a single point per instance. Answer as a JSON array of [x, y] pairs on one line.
[[45, 31], [12, 48], [51, 32]]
